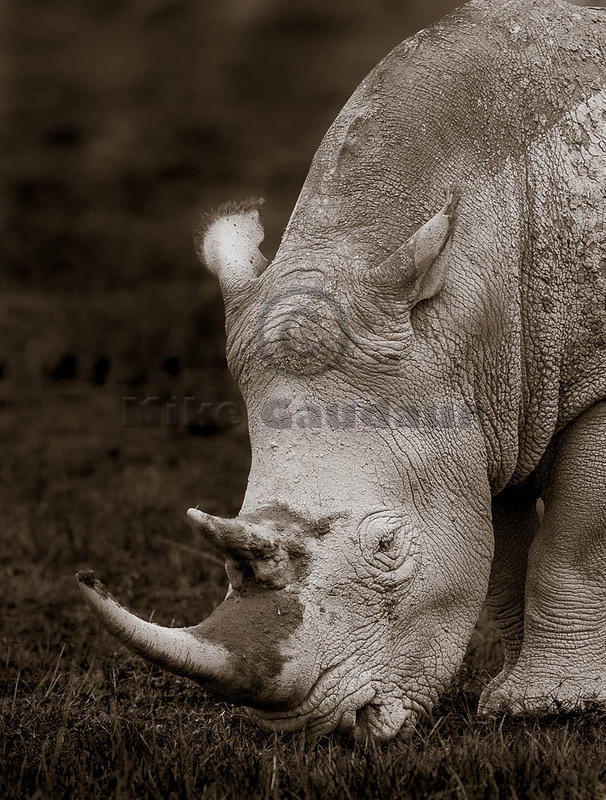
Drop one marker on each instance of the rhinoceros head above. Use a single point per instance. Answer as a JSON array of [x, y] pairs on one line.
[[356, 568]]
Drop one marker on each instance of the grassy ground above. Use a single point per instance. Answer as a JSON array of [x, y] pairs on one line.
[[81, 717], [124, 118]]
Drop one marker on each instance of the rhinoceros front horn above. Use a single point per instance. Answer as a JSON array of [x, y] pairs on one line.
[[181, 650], [194, 651]]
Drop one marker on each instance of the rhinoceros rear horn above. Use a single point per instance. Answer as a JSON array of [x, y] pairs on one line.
[[228, 242], [247, 543]]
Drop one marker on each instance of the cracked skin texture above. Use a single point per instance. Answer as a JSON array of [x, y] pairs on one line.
[[506, 101], [483, 100]]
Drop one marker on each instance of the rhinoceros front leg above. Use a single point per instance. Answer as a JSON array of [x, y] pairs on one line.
[[515, 522], [562, 662]]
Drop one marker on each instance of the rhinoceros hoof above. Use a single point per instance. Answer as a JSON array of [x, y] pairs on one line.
[[513, 694]]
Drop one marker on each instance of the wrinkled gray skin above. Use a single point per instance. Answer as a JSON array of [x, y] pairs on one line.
[[362, 555]]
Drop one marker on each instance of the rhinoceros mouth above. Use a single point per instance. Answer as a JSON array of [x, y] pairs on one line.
[[341, 717], [350, 703], [360, 716], [333, 703]]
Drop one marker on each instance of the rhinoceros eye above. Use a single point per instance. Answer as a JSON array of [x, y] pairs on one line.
[[385, 539]]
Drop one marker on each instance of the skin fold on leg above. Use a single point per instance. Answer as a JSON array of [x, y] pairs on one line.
[[562, 661]]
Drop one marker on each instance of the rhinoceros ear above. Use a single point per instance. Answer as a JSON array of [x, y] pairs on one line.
[[228, 242], [417, 270]]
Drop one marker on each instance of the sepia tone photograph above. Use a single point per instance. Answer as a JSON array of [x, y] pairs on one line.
[[303, 399]]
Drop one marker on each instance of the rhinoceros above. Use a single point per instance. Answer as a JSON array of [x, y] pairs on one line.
[[424, 368]]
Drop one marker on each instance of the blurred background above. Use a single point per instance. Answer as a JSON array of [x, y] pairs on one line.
[[120, 122]]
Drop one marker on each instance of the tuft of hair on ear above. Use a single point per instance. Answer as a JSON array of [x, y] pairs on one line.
[[227, 209]]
